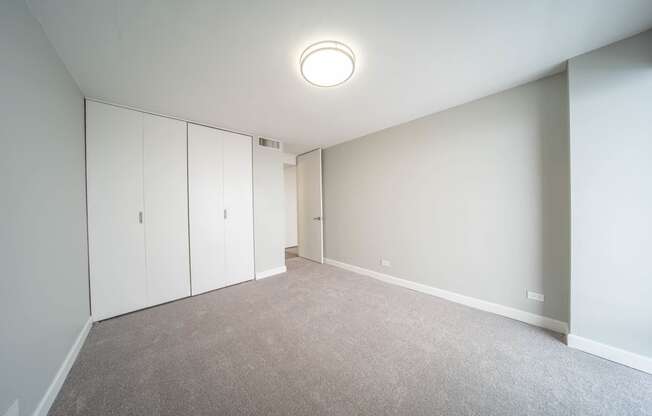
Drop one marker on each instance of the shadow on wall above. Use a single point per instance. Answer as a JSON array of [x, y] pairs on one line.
[[554, 179]]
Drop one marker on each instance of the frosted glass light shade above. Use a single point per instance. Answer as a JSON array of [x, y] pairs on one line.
[[327, 63]]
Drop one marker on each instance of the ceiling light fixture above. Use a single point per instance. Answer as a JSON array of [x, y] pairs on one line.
[[327, 63]]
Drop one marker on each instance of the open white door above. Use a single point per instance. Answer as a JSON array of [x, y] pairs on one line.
[[309, 206]]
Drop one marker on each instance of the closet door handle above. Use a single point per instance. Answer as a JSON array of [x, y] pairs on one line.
[[225, 215], [140, 217]]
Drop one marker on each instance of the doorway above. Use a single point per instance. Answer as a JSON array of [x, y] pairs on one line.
[[310, 227], [290, 186], [303, 207]]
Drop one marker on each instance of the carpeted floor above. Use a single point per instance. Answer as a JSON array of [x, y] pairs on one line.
[[318, 340]]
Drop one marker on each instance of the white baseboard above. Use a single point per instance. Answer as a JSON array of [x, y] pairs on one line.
[[271, 272], [52, 391], [519, 315], [630, 359]]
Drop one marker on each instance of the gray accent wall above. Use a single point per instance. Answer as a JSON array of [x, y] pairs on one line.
[[43, 256], [473, 200], [610, 92]]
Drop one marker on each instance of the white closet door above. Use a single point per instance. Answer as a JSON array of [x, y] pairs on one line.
[[206, 201], [114, 159], [166, 209], [238, 202]]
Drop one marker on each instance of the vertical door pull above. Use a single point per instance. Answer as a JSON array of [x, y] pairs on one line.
[[225, 216], [140, 217]]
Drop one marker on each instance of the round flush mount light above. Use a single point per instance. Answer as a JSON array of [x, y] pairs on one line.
[[327, 63]]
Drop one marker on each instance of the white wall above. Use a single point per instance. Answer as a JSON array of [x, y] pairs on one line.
[[269, 208], [289, 158], [610, 92], [290, 178], [43, 253], [473, 200]]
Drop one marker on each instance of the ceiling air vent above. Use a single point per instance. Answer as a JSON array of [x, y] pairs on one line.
[[272, 144]]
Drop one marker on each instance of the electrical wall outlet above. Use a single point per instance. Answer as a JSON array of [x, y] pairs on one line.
[[385, 262], [534, 296]]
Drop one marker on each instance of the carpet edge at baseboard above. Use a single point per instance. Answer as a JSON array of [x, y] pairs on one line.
[[611, 353], [498, 309], [55, 385], [271, 272]]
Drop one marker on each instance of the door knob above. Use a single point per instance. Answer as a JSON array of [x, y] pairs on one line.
[[317, 218]]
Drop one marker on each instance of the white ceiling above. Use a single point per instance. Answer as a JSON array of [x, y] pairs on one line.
[[234, 64]]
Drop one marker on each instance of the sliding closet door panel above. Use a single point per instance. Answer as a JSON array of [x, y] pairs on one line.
[[166, 209], [114, 159], [206, 201], [238, 201]]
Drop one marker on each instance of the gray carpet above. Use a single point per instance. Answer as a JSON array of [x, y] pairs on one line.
[[322, 341]]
